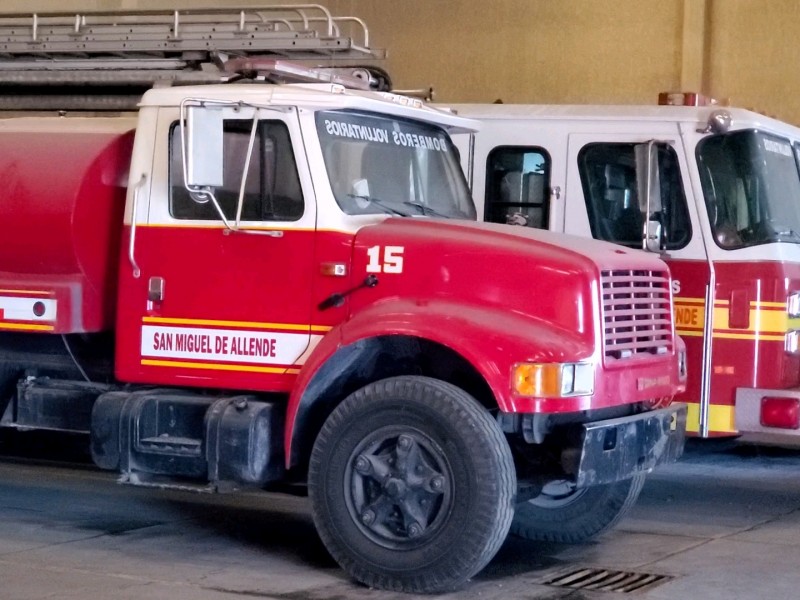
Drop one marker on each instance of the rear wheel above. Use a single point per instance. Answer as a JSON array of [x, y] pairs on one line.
[[412, 485], [563, 514]]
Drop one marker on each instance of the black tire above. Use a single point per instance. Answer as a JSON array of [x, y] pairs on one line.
[[573, 517], [412, 485]]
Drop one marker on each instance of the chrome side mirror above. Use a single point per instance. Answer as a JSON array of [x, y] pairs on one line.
[[203, 151], [648, 181]]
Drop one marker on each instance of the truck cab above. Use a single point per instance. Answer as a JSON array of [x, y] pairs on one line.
[[712, 190]]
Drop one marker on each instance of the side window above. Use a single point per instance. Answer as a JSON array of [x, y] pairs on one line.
[[610, 188], [271, 188], [517, 186]]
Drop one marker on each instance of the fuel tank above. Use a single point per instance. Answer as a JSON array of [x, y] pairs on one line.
[[63, 195]]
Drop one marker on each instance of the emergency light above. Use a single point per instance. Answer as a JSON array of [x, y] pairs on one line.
[[685, 99]]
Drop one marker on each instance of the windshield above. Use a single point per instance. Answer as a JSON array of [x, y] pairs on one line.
[[751, 186], [382, 165]]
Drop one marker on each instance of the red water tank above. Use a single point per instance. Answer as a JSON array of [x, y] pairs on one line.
[[63, 195]]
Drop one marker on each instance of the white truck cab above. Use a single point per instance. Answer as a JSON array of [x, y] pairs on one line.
[[714, 190]]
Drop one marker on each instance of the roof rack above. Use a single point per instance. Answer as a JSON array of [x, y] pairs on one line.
[[48, 59]]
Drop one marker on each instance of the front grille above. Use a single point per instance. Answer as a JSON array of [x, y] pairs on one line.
[[637, 313]]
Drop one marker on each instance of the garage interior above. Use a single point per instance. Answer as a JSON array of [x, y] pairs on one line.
[[718, 524]]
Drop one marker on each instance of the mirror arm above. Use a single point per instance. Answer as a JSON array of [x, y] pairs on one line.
[[246, 168], [648, 184], [235, 227]]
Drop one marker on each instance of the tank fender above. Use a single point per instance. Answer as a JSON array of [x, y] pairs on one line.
[[491, 339]]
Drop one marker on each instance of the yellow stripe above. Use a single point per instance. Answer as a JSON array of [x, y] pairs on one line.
[[253, 324], [761, 337], [690, 332], [218, 367], [766, 323], [770, 321], [690, 317], [781, 305], [761, 321], [25, 327], [28, 292], [720, 418], [753, 303]]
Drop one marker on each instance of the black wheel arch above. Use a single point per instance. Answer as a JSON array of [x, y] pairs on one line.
[[353, 366]]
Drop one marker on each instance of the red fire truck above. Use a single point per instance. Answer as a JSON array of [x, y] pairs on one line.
[[713, 190], [280, 286]]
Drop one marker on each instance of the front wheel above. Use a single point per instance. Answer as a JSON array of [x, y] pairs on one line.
[[412, 485], [561, 513]]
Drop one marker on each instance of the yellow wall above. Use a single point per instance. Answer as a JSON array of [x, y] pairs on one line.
[[754, 55], [569, 51]]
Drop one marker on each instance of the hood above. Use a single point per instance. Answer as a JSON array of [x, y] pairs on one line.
[[547, 277]]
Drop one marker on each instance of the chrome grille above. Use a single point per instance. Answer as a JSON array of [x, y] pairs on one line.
[[637, 313]]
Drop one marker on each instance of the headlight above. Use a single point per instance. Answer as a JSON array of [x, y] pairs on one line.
[[792, 342], [682, 364], [793, 305], [553, 380]]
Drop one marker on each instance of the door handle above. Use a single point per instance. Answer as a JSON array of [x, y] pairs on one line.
[[155, 289]]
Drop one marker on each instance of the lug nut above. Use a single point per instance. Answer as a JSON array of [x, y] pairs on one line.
[[437, 483], [367, 517], [414, 530], [363, 465], [404, 442]]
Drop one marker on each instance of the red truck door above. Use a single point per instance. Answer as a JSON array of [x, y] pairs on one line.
[[213, 307]]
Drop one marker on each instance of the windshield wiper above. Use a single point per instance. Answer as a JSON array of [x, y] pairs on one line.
[[786, 235], [380, 203], [426, 210]]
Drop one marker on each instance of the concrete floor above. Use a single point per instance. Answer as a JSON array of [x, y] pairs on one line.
[[723, 523]]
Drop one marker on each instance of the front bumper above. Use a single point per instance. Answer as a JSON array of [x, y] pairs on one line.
[[617, 449]]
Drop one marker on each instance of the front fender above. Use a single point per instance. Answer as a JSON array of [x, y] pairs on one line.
[[491, 339]]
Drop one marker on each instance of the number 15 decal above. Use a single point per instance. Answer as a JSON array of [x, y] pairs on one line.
[[388, 261]]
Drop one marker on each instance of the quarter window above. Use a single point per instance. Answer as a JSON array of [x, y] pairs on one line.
[[517, 186]]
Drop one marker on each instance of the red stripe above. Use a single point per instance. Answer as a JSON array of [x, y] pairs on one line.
[[210, 361]]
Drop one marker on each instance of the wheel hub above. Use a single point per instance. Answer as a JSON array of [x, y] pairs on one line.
[[399, 487], [396, 488]]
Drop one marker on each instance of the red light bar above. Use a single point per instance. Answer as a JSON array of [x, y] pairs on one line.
[[685, 99], [780, 412]]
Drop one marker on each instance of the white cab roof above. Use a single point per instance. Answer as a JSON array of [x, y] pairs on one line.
[[741, 118], [323, 96]]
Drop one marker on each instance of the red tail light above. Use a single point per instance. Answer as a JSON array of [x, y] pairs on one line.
[[782, 413]]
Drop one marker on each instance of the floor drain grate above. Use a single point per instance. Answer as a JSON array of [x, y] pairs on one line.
[[607, 580]]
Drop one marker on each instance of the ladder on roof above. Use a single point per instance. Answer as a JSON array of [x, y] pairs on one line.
[[41, 52]]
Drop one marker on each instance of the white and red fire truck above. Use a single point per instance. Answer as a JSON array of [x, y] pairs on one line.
[[713, 190], [251, 284]]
